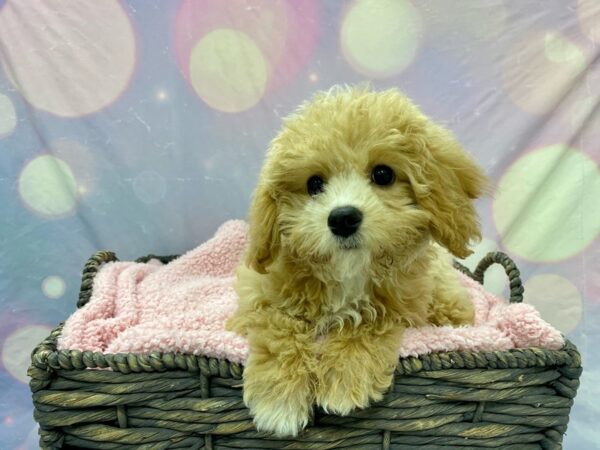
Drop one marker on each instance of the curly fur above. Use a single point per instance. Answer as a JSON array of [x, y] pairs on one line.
[[324, 319]]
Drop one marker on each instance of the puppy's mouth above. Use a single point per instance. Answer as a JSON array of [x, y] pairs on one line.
[[348, 243]]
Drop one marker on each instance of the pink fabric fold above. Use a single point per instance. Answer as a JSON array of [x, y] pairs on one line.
[[182, 307]]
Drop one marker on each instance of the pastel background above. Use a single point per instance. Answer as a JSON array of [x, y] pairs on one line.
[[140, 126]]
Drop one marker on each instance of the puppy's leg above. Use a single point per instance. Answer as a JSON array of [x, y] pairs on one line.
[[278, 378], [451, 304], [355, 368]]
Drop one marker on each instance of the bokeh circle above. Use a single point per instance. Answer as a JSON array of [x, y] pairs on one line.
[[48, 187], [557, 299], [149, 186], [53, 287], [17, 346], [234, 52], [69, 59], [228, 70], [546, 204], [380, 38]]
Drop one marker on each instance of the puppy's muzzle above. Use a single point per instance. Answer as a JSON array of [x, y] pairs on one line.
[[344, 221]]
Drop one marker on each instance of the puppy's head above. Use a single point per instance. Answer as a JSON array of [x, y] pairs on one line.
[[360, 172]]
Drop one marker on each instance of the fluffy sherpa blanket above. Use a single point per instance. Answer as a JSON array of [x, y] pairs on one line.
[[182, 307]]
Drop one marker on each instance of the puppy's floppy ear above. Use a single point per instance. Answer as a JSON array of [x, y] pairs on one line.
[[445, 186], [264, 231]]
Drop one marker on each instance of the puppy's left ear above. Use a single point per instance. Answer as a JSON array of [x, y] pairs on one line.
[[446, 185], [264, 231]]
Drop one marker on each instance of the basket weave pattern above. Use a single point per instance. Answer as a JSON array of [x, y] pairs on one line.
[[517, 399]]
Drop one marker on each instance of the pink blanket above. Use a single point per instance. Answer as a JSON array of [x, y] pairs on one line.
[[183, 306]]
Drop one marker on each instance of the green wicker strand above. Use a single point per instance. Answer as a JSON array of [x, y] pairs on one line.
[[515, 283], [89, 272]]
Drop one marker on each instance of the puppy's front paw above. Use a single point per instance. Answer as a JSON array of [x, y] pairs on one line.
[[278, 416], [340, 391], [338, 401], [351, 377], [279, 400]]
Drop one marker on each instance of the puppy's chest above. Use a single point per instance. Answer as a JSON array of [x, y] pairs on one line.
[[347, 300]]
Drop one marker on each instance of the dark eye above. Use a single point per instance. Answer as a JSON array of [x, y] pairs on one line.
[[382, 175], [315, 185]]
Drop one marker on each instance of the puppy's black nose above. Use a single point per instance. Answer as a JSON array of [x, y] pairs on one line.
[[344, 221]]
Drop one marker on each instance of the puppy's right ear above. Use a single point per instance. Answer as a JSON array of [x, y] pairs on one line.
[[264, 232]]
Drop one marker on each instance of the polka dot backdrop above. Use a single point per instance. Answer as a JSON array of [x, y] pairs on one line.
[[142, 128]]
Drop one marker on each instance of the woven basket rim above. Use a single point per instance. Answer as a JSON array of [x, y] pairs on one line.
[[47, 357]]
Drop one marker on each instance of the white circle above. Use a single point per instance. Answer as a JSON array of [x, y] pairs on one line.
[[556, 298], [67, 58], [53, 286], [17, 347], [8, 116], [149, 186], [380, 38]]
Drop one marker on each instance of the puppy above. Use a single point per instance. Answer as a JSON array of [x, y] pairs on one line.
[[360, 204]]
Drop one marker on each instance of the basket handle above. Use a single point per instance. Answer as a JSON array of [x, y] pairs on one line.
[[515, 283], [514, 276], [89, 272]]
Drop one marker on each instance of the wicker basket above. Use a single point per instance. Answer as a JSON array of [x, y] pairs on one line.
[[518, 399]]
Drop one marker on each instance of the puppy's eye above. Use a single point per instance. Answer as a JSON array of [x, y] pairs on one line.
[[315, 185], [383, 175]]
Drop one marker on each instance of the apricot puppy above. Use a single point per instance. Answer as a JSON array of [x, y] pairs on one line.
[[360, 204]]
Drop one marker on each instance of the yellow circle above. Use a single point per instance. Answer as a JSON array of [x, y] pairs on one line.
[[556, 298], [70, 59], [17, 348], [228, 71], [48, 187], [380, 38], [546, 204], [8, 116], [53, 286], [495, 280]]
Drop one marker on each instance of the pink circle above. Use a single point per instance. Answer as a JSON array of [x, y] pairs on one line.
[[285, 32], [93, 52]]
